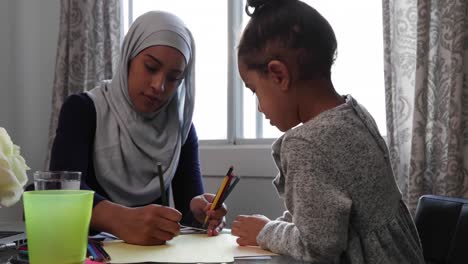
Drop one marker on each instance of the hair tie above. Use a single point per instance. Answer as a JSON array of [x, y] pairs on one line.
[[256, 4], [247, 11]]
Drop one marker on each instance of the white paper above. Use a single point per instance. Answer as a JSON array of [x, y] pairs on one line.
[[184, 249]]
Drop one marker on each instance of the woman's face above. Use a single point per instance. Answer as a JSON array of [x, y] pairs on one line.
[[153, 77]]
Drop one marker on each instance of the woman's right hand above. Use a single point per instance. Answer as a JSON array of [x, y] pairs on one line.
[[147, 225]]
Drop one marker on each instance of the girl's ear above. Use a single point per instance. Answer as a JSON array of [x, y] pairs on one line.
[[279, 73]]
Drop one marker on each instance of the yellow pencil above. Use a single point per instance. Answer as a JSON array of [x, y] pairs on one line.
[[222, 188]]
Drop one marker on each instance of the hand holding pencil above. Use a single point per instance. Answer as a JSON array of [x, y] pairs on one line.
[[201, 207], [212, 215]]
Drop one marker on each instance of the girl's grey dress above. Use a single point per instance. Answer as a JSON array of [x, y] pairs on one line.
[[343, 205]]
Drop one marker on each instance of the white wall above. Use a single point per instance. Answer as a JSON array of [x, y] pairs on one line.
[[29, 30], [5, 49]]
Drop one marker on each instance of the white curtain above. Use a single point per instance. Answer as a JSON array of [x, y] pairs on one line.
[[426, 70], [88, 48]]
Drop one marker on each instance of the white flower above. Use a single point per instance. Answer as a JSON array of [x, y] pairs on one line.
[[12, 171]]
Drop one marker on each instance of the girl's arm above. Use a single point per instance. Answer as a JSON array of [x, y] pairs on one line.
[[319, 208], [286, 217]]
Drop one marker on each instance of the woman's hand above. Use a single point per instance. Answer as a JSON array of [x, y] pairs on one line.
[[148, 225], [200, 207], [247, 227]]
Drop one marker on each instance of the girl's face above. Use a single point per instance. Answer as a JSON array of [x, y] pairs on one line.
[[153, 77], [272, 100]]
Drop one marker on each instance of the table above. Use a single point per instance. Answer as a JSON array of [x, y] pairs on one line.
[[5, 255]]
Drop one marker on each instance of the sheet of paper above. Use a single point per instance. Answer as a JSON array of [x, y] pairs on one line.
[[184, 249]]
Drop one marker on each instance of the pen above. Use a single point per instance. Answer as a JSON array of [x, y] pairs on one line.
[[161, 183], [222, 188], [92, 252], [7, 246], [98, 246], [104, 253], [17, 261]]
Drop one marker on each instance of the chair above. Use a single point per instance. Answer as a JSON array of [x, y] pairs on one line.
[[442, 224]]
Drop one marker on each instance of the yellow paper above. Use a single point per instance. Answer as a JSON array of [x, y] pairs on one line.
[[184, 249]]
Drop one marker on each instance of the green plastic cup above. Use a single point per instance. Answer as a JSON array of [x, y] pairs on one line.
[[57, 223]]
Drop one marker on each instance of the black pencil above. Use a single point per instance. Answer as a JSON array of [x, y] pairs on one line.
[[163, 187], [230, 188]]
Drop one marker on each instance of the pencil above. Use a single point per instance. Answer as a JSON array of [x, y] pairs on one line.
[[229, 190], [99, 247], [163, 187], [222, 188]]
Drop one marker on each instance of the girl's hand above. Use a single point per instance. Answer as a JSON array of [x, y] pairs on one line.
[[247, 227], [200, 207]]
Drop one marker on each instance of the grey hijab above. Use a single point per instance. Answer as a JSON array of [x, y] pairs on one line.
[[128, 144]]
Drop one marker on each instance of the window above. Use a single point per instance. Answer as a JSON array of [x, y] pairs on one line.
[[358, 69], [223, 112], [210, 116]]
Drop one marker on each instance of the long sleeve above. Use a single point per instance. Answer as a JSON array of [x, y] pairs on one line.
[[72, 147], [187, 182], [319, 208], [286, 217]]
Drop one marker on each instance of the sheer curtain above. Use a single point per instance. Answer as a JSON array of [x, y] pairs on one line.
[[88, 49], [426, 70]]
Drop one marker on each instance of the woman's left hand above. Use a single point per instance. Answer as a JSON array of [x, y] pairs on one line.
[[201, 207]]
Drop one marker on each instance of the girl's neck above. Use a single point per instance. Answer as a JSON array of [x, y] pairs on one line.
[[315, 97]]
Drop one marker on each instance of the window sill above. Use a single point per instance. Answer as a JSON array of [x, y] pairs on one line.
[[251, 160]]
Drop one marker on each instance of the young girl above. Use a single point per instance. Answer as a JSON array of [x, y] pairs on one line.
[[343, 205]]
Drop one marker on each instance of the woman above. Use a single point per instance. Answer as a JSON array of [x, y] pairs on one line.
[[117, 133]]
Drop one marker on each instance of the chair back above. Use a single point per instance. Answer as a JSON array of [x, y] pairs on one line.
[[442, 224]]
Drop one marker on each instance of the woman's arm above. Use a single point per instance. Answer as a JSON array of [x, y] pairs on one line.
[[187, 182], [72, 147]]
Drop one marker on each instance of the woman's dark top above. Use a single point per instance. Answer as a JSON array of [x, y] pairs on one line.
[[73, 151]]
